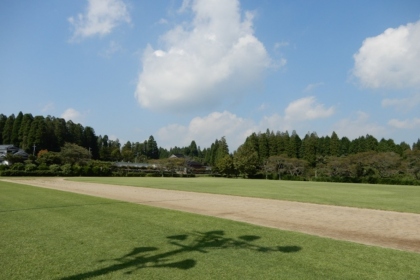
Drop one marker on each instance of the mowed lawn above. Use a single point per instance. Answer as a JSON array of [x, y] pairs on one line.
[[384, 197], [49, 234]]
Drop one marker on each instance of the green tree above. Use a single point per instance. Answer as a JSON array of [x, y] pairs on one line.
[[222, 151], [72, 153], [25, 127], [193, 149], [8, 129], [152, 148], [334, 145], [245, 160], [15, 130], [3, 120], [127, 152], [263, 147], [225, 166], [294, 145]]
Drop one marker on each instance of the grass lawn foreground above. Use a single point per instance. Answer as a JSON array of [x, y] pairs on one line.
[[383, 197], [49, 234]]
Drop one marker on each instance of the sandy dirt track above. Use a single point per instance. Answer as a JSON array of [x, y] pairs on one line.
[[372, 227]]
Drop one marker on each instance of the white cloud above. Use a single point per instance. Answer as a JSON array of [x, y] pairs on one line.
[[100, 18], [361, 125], [73, 115], [391, 59], [307, 109], [215, 58], [405, 124], [205, 130], [402, 104]]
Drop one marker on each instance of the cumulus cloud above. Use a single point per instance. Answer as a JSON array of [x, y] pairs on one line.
[[307, 108], [205, 130], [100, 18], [216, 56], [391, 59], [356, 127], [405, 124], [402, 104], [73, 115]]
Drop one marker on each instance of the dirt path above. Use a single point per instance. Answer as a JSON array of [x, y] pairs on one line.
[[372, 227]]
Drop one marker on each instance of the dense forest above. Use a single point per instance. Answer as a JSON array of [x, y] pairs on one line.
[[267, 154]]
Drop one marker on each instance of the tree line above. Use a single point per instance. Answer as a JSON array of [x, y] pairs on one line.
[[263, 155], [282, 155]]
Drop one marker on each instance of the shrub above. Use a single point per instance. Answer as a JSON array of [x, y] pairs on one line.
[[30, 167], [55, 168], [18, 166]]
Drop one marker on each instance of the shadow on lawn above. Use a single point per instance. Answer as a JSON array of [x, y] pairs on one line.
[[204, 242]]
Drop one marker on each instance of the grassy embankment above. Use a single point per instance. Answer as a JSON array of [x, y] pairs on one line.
[[48, 234], [384, 197]]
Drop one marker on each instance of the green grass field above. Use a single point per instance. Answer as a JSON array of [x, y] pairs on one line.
[[384, 197], [48, 234]]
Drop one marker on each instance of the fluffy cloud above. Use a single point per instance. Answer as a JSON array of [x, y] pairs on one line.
[[361, 125], [205, 130], [307, 109], [100, 18], [391, 59], [405, 124], [215, 57], [73, 115]]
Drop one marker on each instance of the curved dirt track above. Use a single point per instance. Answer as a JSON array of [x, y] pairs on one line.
[[372, 227]]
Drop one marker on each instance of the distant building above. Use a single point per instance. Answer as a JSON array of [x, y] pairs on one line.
[[177, 156], [11, 149]]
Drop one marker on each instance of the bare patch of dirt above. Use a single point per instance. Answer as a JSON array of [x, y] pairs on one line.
[[371, 227]]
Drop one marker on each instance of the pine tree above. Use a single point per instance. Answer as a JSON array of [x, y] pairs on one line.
[[263, 146], [3, 120], [334, 145], [193, 149], [152, 148], [8, 129], [15, 130], [222, 150], [294, 145], [25, 127]]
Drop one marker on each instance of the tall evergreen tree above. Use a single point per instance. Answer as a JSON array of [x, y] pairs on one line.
[[334, 145], [8, 129], [15, 130], [193, 149], [90, 141], [263, 147], [152, 148], [222, 151], [25, 127], [3, 120], [294, 145]]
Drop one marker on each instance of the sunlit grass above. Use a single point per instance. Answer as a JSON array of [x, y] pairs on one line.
[[48, 234], [384, 197]]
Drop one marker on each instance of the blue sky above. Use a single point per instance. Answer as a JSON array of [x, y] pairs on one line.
[[203, 69]]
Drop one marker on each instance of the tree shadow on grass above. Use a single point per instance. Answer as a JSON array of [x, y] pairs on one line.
[[203, 242]]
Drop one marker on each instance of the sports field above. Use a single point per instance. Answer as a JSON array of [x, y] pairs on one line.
[[49, 234], [384, 197]]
